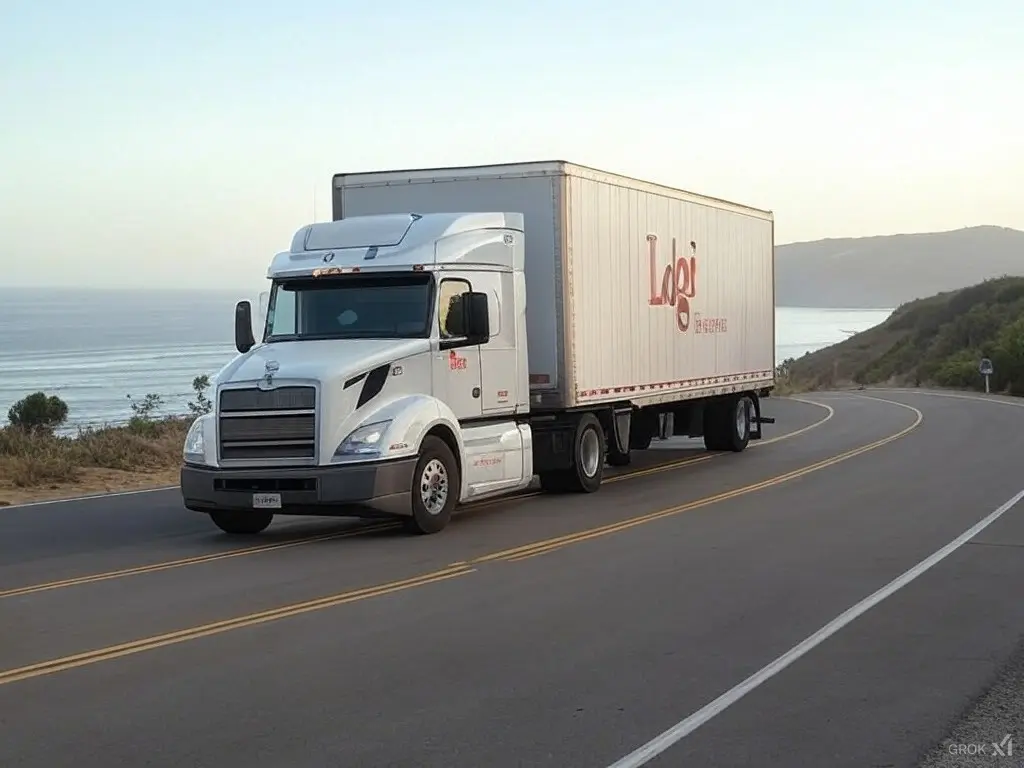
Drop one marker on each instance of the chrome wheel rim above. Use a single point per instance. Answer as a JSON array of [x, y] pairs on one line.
[[590, 452], [434, 486], [741, 419]]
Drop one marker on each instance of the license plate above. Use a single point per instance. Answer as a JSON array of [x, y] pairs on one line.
[[266, 501]]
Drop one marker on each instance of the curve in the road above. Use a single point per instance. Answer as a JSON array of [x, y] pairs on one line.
[[542, 547], [454, 571], [373, 527], [660, 743]]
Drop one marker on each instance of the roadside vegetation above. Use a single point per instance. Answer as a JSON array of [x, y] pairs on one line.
[[934, 342], [37, 463]]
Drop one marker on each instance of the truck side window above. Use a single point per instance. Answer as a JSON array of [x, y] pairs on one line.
[[449, 296]]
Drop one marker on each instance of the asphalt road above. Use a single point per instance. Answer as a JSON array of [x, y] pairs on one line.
[[552, 631]]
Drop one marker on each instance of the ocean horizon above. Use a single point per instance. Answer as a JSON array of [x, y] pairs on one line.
[[95, 347]]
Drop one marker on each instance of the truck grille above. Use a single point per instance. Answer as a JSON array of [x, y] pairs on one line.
[[275, 424]]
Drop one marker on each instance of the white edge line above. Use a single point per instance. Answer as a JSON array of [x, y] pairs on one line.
[[1016, 402], [680, 730], [1011, 400], [88, 497]]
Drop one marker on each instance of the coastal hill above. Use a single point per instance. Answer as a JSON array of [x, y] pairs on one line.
[[937, 341], [889, 270]]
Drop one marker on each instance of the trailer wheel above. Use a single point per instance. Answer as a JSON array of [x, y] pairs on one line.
[[240, 522], [739, 423], [727, 424], [435, 487]]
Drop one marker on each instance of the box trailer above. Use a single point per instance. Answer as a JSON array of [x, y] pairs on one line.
[[453, 333]]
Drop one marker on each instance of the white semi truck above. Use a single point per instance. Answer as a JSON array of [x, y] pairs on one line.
[[454, 333]]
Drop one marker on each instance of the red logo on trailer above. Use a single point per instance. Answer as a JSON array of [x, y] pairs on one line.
[[678, 281], [677, 286]]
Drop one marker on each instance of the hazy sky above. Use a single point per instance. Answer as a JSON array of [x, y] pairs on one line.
[[179, 144]]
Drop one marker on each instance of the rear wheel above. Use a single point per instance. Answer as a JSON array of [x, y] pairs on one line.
[[727, 424], [588, 460], [435, 487], [241, 522]]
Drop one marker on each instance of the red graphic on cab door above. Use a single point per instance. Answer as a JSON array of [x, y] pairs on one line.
[[677, 286], [457, 363]]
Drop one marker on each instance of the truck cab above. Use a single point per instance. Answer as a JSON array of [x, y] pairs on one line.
[[391, 378]]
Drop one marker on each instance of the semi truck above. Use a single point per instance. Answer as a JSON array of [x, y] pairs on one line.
[[457, 334]]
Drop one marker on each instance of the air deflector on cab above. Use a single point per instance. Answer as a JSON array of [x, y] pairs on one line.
[[384, 231]]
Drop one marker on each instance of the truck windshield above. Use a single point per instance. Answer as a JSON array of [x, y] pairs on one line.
[[350, 307]]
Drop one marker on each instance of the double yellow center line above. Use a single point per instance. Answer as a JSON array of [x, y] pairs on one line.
[[215, 628], [543, 547]]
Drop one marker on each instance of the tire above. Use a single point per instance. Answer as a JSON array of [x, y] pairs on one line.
[[239, 522], [436, 476], [588, 448], [737, 424], [589, 452], [727, 424]]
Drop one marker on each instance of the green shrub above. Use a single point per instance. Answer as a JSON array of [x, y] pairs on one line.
[[936, 341], [38, 413], [32, 455]]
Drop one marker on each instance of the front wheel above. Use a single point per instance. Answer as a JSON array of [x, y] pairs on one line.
[[435, 487], [241, 522]]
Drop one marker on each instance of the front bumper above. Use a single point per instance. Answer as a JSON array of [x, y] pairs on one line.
[[360, 490]]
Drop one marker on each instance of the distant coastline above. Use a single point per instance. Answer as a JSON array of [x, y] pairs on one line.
[[891, 270]]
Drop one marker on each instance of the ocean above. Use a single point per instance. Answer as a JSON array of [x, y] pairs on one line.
[[93, 348]]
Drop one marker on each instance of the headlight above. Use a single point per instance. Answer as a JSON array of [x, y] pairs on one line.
[[364, 441], [194, 450]]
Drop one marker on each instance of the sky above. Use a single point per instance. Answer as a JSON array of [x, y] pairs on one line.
[[181, 145]]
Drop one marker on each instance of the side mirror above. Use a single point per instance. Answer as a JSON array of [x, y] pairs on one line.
[[244, 340], [476, 317]]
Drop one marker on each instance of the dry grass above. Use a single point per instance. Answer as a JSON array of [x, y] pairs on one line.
[[39, 465]]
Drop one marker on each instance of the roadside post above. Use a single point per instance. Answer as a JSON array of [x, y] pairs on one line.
[[985, 369]]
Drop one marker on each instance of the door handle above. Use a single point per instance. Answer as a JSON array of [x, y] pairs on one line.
[[476, 391]]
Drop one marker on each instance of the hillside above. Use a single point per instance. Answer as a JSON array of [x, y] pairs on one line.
[[889, 270], [937, 341]]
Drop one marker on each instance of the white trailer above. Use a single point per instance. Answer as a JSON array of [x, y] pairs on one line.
[[504, 322]]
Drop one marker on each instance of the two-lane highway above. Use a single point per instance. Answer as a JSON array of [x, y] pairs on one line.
[[561, 631]]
